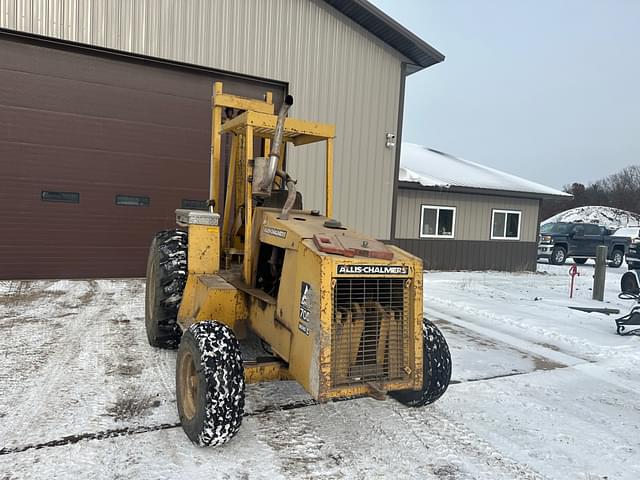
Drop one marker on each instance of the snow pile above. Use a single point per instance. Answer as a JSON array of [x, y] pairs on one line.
[[605, 216], [432, 168]]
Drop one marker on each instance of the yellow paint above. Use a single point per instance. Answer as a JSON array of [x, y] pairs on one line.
[[204, 249], [304, 342], [228, 203], [265, 125], [329, 179], [210, 297], [265, 372], [216, 122], [243, 103], [263, 321], [248, 207], [310, 357], [220, 101]]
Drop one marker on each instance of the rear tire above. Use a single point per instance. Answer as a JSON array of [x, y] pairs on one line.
[[166, 278], [436, 369], [210, 383], [580, 261], [617, 258], [558, 256]]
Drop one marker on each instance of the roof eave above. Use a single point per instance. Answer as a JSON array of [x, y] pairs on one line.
[[371, 18], [482, 191]]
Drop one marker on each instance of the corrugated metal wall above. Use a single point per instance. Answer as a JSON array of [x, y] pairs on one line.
[[500, 255], [473, 213], [337, 71]]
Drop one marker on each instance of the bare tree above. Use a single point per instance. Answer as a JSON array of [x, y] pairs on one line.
[[618, 190]]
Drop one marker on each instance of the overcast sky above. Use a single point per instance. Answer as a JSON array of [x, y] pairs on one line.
[[545, 89]]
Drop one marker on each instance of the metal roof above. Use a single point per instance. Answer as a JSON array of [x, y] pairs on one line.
[[389, 31], [431, 168]]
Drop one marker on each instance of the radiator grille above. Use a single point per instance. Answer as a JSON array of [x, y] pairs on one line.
[[369, 330]]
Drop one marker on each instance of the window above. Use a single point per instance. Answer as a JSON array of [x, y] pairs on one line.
[[132, 201], [64, 197], [578, 230], [437, 221], [194, 204], [558, 228], [590, 229], [505, 225]]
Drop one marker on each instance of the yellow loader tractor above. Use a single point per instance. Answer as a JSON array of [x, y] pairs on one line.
[[333, 309]]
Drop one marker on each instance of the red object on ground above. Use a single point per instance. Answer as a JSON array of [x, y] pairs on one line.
[[573, 271]]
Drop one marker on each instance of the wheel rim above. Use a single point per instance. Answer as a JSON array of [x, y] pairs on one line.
[[559, 256], [188, 385], [617, 258]]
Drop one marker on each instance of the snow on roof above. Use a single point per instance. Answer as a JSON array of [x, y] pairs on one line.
[[432, 168]]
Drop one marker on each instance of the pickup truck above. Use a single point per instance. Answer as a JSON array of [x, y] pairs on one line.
[[633, 255], [561, 240]]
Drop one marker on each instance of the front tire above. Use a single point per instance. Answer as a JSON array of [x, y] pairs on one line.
[[436, 369], [617, 258], [210, 383], [558, 256], [166, 278]]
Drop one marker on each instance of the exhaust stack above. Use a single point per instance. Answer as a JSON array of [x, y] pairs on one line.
[[264, 169]]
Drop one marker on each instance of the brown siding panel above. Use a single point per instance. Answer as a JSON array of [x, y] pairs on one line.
[[472, 255], [100, 126]]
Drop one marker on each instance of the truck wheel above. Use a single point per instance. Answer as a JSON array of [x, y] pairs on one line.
[[210, 383], [558, 256], [436, 369], [617, 258], [580, 261], [166, 278]]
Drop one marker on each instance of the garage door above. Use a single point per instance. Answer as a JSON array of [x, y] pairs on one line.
[[96, 153]]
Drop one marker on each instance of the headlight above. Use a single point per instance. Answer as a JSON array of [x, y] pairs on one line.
[[546, 239]]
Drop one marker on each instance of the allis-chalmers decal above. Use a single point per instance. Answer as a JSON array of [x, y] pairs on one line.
[[276, 232], [372, 270]]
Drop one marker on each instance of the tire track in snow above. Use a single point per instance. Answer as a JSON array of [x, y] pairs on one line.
[[118, 432], [34, 407], [257, 412], [457, 444], [556, 356]]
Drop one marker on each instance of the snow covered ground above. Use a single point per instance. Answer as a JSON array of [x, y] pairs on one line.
[[540, 391]]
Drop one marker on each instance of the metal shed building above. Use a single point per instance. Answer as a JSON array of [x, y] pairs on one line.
[[460, 215], [105, 123]]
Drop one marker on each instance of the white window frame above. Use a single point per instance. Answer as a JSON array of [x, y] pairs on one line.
[[493, 219], [437, 208]]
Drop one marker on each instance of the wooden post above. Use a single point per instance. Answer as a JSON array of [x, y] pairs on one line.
[[600, 273]]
